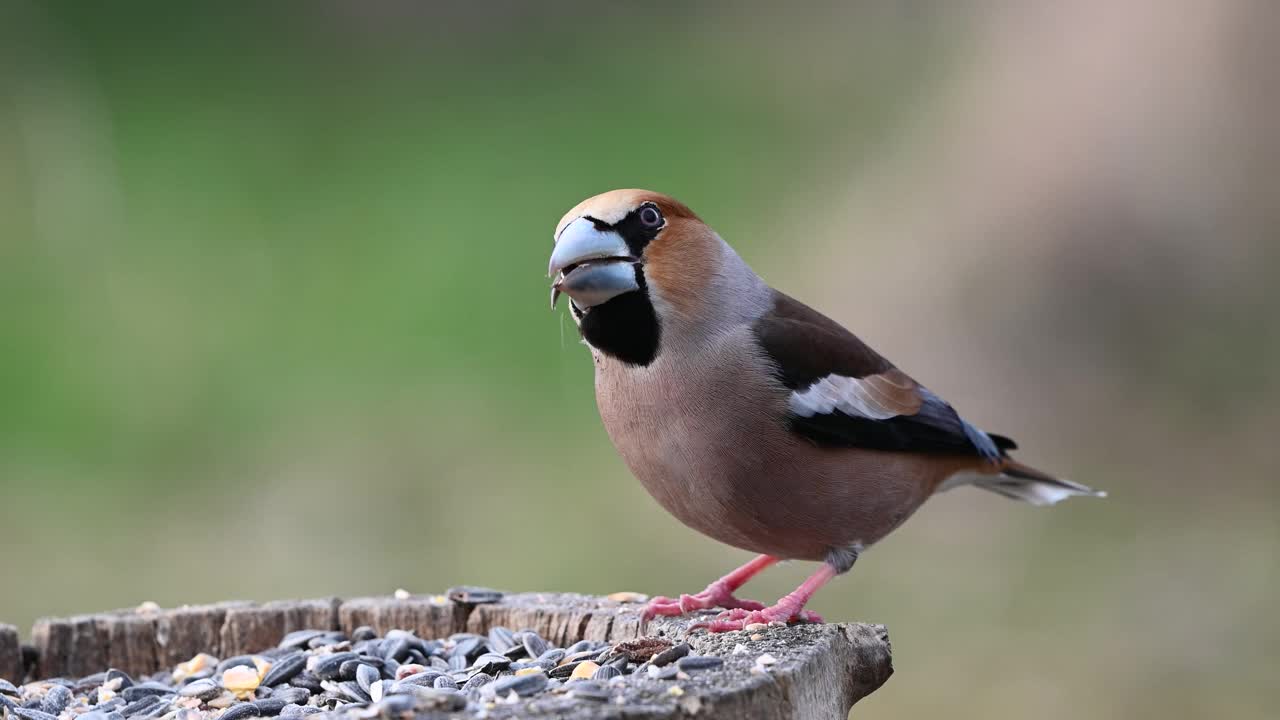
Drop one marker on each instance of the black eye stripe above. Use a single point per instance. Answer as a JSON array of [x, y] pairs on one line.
[[636, 232], [597, 224]]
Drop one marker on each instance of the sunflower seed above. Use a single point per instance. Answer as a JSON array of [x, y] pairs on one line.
[[7, 687], [137, 707], [670, 655], [477, 681], [330, 666], [699, 662], [114, 675], [426, 678], [236, 661], [349, 668], [366, 675], [298, 639], [297, 711], [469, 648], [351, 689], [517, 651], [56, 700], [328, 639], [578, 657], [114, 703], [469, 595], [522, 685], [440, 700], [364, 632], [7, 704], [500, 639], [292, 694], [444, 682], [32, 714], [397, 650], [606, 672], [274, 654], [270, 706], [563, 671], [589, 690], [402, 688], [285, 669], [396, 706], [329, 700], [534, 644], [142, 690], [203, 689], [306, 681], [238, 712], [552, 655], [666, 672], [491, 663]]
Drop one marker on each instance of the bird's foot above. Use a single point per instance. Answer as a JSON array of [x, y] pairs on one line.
[[716, 595], [739, 619]]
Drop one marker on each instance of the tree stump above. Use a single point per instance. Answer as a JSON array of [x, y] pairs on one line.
[[771, 673]]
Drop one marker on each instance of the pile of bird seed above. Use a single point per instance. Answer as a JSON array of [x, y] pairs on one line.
[[361, 676]]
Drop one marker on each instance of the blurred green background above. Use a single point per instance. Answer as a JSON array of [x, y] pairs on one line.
[[273, 317]]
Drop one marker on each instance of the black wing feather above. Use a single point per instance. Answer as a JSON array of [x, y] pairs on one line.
[[805, 346]]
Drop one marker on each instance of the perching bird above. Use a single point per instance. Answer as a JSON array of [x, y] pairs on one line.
[[748, 415]]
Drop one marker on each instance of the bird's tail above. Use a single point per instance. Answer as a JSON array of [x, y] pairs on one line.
[[1025, 483]]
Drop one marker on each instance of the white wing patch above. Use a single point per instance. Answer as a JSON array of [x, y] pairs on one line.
[[877, 397]]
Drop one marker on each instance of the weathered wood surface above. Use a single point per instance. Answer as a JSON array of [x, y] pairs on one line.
[[10, 652], [257, 627], [428, 616], [821, 670]]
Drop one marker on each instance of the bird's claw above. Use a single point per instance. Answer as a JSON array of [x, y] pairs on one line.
[[740, 618], [714, 596]]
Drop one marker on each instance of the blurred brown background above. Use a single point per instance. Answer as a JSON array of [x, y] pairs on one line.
[[273, 317]]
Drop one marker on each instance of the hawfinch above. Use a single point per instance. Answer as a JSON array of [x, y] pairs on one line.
[[750, 416]]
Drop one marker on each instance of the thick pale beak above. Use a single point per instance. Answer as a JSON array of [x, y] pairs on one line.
[[598, 263]]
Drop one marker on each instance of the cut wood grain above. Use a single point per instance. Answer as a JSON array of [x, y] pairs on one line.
[[253, 628], [427, 616], [10, 654]]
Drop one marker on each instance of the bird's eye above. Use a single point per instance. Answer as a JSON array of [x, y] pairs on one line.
[[650, 217]]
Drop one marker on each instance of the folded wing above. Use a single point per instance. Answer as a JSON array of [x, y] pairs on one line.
[[844, 394]]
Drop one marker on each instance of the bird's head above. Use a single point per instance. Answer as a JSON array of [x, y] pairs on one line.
[[638, 265]]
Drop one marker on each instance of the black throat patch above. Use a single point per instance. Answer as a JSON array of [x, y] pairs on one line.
[[625, 328]]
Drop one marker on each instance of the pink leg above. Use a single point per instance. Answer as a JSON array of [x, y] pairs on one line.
[[789, 608], [717, 594]]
